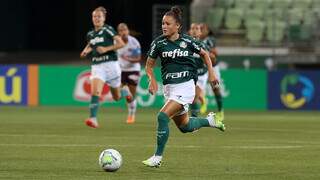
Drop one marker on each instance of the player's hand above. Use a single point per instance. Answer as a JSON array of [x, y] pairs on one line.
[[153, 86], [83, 54], [214, 82], [101, 49]]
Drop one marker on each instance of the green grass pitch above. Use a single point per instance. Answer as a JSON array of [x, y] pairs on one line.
[[53, 143]]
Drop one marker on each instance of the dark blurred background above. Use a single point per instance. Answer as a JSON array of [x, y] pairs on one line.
[[250, 34], [35, 26]]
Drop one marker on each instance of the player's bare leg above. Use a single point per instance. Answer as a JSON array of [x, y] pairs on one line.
[[96, 89], [132, 105]]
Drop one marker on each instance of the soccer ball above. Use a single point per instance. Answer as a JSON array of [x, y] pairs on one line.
[[110, 160]]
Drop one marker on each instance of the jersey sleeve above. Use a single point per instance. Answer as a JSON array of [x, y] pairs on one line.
[[195, 47], [212, 43], [111, 32], [153, 52], [88, 37], [137, 45], [205, 46]]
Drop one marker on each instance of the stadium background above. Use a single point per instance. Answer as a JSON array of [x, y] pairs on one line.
[[270, 64], [37, 32]]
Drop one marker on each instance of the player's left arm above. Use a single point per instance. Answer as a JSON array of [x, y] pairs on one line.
[[136, 58], [133, 59], [207, 60], [117, 45]]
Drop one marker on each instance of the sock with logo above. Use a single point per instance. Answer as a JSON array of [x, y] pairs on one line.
[[94, 105], [219, 101], [162, 133], [194, 124]]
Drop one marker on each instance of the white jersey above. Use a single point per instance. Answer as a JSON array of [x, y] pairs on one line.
[[132, 48]]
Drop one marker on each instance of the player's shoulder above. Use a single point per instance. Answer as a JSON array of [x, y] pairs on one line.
[[109, 29], [204, 45], [210, 39], [159, 39], [107, 26], [133, 40], [187, 38]]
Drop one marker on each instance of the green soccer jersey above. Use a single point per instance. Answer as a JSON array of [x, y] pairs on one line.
[[210, 42], [103, 37], [177, 58]]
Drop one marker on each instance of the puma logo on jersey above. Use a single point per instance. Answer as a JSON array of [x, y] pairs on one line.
[[96, 40], [175, 53]]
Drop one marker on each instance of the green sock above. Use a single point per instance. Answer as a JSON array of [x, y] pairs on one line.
[[219, 101], [94, 106], [162, 133], [194, 123], [195, 109]]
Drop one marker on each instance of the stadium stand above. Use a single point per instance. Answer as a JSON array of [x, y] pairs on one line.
[[265, 22], [234, 18], [215, 17]]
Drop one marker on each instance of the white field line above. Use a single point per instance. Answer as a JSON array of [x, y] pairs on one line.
[[276, 130], [91, 145], [263, 147], [151, 146], [62, 136]]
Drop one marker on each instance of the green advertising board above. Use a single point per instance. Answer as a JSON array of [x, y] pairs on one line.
[[232, 61], [56, 84], [68, 85], [242, 89]]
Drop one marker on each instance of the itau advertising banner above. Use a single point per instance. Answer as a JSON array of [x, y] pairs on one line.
[[294, 90], [19, 85]]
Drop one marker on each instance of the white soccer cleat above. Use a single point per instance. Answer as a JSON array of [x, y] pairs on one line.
[[153, 161], [215, 121]]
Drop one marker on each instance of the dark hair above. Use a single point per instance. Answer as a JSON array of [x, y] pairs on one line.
[[102, 9], [176, 13]]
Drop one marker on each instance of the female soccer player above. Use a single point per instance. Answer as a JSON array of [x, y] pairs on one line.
[[101, 48], [129, 58], [211, 43], [195, 32], [179, 75]]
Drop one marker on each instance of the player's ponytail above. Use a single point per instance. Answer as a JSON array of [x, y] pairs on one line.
[[176, 13]]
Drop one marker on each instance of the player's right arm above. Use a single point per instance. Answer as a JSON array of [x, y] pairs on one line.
[[151, 61], [85, 51], [153, 86]]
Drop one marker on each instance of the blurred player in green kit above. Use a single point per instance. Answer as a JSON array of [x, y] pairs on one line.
[[101, 48], [211, 43]]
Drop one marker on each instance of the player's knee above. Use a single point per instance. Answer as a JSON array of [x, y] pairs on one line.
[[96, 93], [163, 118], [116, 97], [183, 129]]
